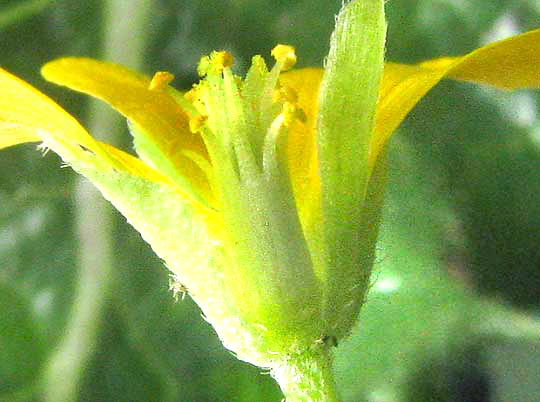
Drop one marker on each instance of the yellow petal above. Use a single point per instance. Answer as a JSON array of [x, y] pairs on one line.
[[302, 145], [508, 64], [13, 134], [154, 111], [26, 115]]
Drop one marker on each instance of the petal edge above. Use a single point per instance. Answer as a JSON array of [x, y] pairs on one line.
[[509, 64]]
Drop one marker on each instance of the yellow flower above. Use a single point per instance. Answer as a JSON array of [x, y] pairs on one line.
[[205, 197]]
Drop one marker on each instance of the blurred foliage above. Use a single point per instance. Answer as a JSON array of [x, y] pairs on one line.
[[14, 12], [461, 232]]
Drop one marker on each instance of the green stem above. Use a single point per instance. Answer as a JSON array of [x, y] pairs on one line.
[[124, 22], [307, 378]]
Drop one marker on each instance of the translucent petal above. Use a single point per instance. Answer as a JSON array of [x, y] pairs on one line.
[[509, 64]]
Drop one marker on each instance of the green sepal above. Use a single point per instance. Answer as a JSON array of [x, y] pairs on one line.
[[178, 233], [347, 103]]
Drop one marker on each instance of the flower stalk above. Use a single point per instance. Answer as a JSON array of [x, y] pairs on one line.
[[307, 378]]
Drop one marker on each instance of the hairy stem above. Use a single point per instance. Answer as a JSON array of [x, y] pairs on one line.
[[307, 378]]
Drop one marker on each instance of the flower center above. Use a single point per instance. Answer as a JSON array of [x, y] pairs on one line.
[[245, 123], [242, 120]]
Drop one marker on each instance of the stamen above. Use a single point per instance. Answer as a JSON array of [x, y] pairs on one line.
[[204, 66], [160, 80], [197, 95], [285, 55], [215, 63], [223, 59]]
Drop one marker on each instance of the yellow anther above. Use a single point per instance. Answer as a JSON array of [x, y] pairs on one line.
[[196, 123], [203, 66], [285, 55], [215, 63], [221, 60], [160, 80]]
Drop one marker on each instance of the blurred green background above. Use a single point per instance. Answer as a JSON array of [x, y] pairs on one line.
[[85, 310]]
